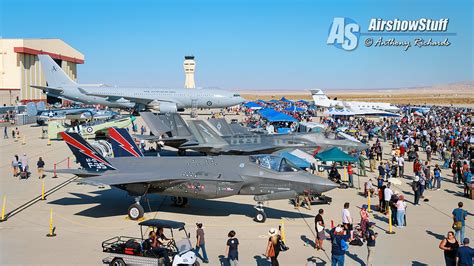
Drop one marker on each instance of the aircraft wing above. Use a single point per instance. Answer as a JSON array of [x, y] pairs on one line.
[[113, 98], [128, 178], [48, 89], [78, 172], [158, 138]]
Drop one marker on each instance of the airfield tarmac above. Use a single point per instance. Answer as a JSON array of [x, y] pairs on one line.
[[85, 215]]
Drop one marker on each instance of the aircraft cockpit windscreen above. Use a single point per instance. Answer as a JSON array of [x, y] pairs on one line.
[[275, 163]]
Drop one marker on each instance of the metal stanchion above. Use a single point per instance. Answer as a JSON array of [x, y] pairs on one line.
[[390, 227], [369, 209], [4, 205], [51, 228], [42, 190], [54, 172]]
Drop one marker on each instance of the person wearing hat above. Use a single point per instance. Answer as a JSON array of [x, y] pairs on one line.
[[371, 236], [338, 235], [464, 254], [273, 246], [364, 218], [200, 244]]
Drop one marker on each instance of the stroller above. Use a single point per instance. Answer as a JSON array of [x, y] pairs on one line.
[[24, 174]]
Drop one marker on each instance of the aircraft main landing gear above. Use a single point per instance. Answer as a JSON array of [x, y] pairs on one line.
[[179, 201], [136, 211], [260, 217]]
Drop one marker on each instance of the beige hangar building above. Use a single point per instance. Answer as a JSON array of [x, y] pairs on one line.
[[20, 67]]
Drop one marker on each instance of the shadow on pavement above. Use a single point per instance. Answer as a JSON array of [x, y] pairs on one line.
[[115, 202], [456, 193], [261, 261], [417, 263], [356, 258], [317, 261], [308, 241], [437, 236]]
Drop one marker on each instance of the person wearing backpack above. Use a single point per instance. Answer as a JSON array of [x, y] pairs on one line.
[[273, 246], [339, 246], [459, 217]]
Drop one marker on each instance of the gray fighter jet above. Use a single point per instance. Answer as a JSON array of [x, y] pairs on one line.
[[266, 177], [206, 136]]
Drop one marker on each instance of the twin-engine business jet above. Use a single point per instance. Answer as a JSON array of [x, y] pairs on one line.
[[266, 177], [359, 108], [164, 100]]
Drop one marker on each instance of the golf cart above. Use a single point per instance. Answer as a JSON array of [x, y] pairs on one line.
[[124, 250]]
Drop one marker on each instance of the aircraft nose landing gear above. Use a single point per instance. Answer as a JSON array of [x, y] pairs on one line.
[[260, 217], [136, 211]]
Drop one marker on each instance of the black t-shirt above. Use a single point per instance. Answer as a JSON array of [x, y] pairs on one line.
[[233, 244], [370, 241], [318, 218]]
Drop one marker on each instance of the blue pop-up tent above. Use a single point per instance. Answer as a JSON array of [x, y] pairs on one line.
[[274, 116], [303, 101], [294, 109], [253, 105], [283, 99], [273, 101]]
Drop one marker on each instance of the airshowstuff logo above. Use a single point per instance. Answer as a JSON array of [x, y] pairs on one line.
[[344, 33]]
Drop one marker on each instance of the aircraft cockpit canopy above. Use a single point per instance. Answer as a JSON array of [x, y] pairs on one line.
[[275, 163]]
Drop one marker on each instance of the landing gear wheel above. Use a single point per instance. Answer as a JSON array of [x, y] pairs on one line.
[[180, 201], [260, 217], [135, 211], [117, 262]]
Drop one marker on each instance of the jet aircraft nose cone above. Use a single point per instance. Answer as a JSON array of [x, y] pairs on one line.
[[322, 185]]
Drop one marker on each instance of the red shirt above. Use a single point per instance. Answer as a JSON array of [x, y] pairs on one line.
[[349, 170]]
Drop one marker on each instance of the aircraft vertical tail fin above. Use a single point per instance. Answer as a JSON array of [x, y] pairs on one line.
[[123, 144], [87, 157], [156, 125], [205, 133], [53, 73], [320, 98]]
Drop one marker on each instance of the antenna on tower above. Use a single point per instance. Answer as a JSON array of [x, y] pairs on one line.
[[189, 67]]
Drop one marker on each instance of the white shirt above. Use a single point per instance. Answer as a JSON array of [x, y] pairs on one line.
[[387, 194], [400, 161], [346, 216]]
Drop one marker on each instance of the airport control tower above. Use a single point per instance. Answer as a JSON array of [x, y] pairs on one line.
[[189, 67]]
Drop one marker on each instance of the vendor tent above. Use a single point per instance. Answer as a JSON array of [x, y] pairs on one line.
[[274, 116], [294, 108], [335, 155], [253, 105], [283, 99]]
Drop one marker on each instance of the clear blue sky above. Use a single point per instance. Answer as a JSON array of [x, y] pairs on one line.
[[243, 44]]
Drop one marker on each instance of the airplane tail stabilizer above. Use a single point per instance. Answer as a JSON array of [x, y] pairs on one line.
[[88, 158], [54, 74], [123, 144]]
